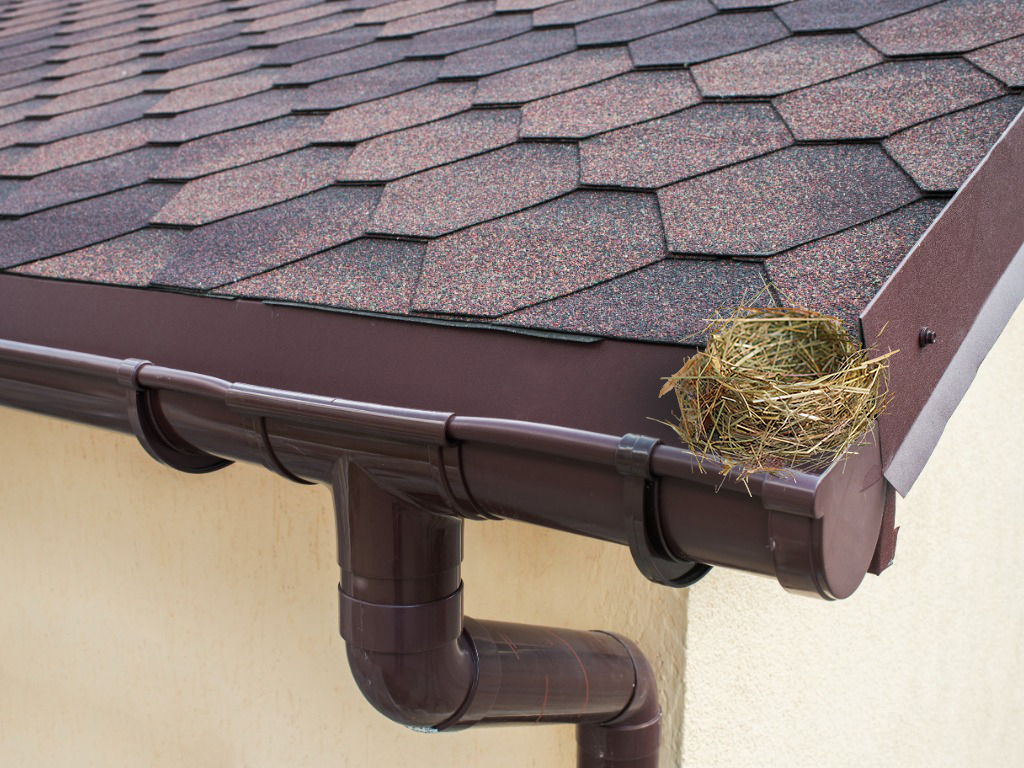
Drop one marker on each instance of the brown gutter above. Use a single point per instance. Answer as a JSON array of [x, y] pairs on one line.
[[405, 479]]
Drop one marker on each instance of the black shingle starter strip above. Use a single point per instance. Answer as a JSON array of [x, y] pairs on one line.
[[394, 113], [254, 186], [620, 101], [1004, 60], [838, 275], [416, 149], [83, 181], [545, 78], [708, 39], [939, 155], [348, 277], [129, 260], [579, 11], [795, 62], [483, 187], [536, 45], [818, 15], [553, 249], [763, 206], [876, 102], [646, 304], [77, 225], [250, 243], [442, 42], [948, 27], [676, 147]]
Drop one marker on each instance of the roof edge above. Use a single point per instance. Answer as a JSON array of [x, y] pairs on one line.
[[944, 286]]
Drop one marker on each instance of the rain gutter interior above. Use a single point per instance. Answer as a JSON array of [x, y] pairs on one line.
[[404, 480]]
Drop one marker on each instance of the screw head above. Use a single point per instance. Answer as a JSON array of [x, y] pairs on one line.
[[926, 336]]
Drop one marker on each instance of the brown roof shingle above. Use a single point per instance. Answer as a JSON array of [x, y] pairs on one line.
[[573, 166]]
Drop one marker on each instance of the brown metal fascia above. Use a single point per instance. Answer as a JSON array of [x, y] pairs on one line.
[[946, 304]]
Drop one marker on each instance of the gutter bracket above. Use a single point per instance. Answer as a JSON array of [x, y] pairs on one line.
[[643, 527], [260, 439], [143, 415]]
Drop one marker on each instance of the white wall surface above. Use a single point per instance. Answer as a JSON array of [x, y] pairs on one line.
[[923, 666]]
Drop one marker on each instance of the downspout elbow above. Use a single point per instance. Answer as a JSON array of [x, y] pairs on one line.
[[632, 738]]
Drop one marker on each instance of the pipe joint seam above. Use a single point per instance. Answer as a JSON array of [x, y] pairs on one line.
[[400, 628], [143, 413], [643, 521]]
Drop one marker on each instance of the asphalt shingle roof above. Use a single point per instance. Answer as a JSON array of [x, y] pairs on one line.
[[607, 167]]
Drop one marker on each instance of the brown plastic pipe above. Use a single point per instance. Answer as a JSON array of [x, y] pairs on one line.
[[420, 662]]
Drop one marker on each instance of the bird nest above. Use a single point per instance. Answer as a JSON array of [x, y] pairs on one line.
[[777, 388]]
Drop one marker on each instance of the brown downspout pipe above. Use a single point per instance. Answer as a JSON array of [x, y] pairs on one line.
[[420, 662]]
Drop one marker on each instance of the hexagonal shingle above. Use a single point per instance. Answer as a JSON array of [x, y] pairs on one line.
[[577, 11], [815, 15], [545, 78], [491, 29], [838, 275], [221, 151], [940, 154], [475, 190], [393, 113], [647, 20], [416, 149], [442, 17], [349, 276], [669, 301], [948, 27], [245, 245], [879, 101], [253, 186], [766, 205], [518, 51], [676, 147], [1003, 60], [132, 259], [623, 100], [553, 249], [77, 225], [795, 62], [708, 39]]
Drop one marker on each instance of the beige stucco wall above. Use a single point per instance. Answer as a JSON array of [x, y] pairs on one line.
[[149, 618], [922, 667]]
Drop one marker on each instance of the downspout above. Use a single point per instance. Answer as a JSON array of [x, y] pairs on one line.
[[404, 481], [420, 662]]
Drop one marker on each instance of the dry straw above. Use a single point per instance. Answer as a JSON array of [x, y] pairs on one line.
[[777, 388]]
